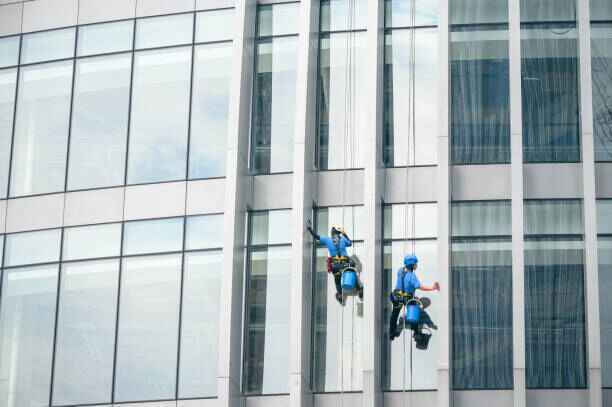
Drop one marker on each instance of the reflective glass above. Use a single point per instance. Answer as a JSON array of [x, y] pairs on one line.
[[148, 328], [478, 11], [548, 10], [204, 232], [480, 95], [210, 110], [601, 10], [48, 45], [551, 111], [351, 218], [342, 101], [274, 106], [398, 13], [554, 314], [200, 324], [9, 51], [406, 221], [266, 356], [164, 31], [160, 112], [336, 15], [41, 129], [397, 372], [32, 247], [407, 142], [217, 25], [601, 70], [605, 308], [270, 227], [90, 242], [99, 122], [483, 218], [604, 216], [27, 319], [86, 333], [278, 19], [104, 38], [8, 86], [1, 251], [153, 236], [553, 217]]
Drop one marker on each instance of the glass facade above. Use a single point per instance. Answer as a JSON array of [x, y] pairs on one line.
[[601, 71], [604, 230]]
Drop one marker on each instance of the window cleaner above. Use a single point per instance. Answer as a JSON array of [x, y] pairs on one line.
[[403, 295], [339, 263]]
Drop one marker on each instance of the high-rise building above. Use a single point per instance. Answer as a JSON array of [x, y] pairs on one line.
[[161, 159]]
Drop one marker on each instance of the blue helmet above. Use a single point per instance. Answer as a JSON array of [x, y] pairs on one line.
[[410, 260]]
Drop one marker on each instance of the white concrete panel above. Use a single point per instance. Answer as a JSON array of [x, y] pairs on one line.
[[338, 399], [497, 398], [38, 212], [206, 196], [416, 398], [156, 7], [93, 11], [274, 1], [550, 181], [10, 19], [267, 401], [198, 403], [97, 206], [149, 404], [2, 216], [557, 398], [212, 4], [340, 188], [272, 191], [603, 175], [155, 201], [421, 182], [481, 182], [46, 14], [607, 397]]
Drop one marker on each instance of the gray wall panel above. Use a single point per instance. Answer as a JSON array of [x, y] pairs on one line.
[[421, 184], [93, 11], [210, 4], [337, 399], [10, 19], [552, 181], [99, 206], [272, 191], [557, 398], [198, 403], [603, 179], [481, 182], [46, 14], [155, 201], [156, 7], [267, 401], [39, 212], [497, 398], [331, 188], [206, 196], [2, 216], [607, 397], [415, 398]]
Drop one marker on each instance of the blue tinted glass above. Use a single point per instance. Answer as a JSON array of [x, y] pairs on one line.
[[204, 232], [398, 13], [48, 45], [164, 31], [605, 308], [601, 71], [271, 227], [92, 242], [32, 247], [9, 51], [278, 19], [153, 236], [103, 38], [340, 15], [8, 87]]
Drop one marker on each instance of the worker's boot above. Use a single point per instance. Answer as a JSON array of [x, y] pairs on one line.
[[339, 298]]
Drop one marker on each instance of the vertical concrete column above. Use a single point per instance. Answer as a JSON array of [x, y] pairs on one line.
[[518, 241], [300, 394], [373, 181], [444, 197], [590, 206], [236, 197]]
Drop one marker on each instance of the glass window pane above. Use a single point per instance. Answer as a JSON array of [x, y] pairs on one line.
[[352, 218], [549, 66], [1, 251], [423, 364], [478, 11], [605, 308], [210, 110], [9, 51], [47, 45], [491, 218], [41, 129], [601, 67], [99, 122], [160, 112], [398, 13], [554, 314], [548, 10], [86, 333], [480, 93], [601, 10], [27, 321], [89, 242], [164, 31], [204, 232], [32, 247], [217, 25], [342, 130], [399, 221], [403, 145], [103, 38], [270, 227], [153, 236], [553, 217], [604, 216], [274, 106], [482, 314], [148, 328], [278, 19], [200, 324], [336, 15], [267, 322], [8, 86]]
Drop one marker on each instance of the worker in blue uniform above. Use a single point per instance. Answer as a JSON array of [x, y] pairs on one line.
[[406, 284], [338, 258]]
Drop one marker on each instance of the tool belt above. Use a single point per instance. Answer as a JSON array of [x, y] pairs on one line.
[[400, 296], [336, 264]]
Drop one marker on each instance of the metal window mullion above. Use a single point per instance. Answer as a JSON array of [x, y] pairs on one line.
[[57, 304], [13, 130], [117, 313], [70, 114], [180, 314], [189, 114], [129, 118]]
